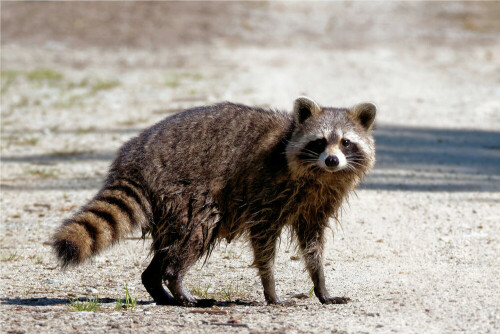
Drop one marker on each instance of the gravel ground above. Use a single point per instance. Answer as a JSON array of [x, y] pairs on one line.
[[418, 248]]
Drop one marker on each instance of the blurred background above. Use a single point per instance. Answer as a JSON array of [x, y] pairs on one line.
[[79, 78]]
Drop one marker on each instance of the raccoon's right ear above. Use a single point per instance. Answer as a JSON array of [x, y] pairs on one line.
[[304, 108]]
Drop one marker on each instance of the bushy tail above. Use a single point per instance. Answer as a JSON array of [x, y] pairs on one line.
[[114, 212]]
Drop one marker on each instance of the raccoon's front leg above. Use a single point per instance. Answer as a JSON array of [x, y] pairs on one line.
[[264, 248], [311, 243]]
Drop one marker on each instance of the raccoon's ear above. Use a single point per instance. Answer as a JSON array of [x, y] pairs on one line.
[[364, 114], [304, 108]]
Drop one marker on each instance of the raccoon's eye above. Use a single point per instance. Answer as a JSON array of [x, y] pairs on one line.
[[318, 145], [346, 142]]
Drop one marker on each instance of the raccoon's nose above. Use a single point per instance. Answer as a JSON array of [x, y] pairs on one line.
[[331, 161]]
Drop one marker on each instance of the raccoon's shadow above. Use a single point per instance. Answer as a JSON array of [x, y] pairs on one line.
[[202, 303], [44, 301]]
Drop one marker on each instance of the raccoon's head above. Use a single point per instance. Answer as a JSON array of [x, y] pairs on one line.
[[331, 140]]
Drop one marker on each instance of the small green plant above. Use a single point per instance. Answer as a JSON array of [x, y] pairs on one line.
[[43, 173], [231, 290], [103, 85], [201, 290], [89, 305], [10, 257], [81, 131], [41, 74], [127, 303], [311, 291], [172, 80]]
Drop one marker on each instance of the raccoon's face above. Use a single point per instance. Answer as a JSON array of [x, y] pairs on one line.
[[331, 140]]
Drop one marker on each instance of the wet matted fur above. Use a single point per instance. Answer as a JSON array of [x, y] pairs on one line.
[[222, 172]]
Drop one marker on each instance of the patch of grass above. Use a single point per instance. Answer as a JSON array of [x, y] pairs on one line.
[[103, 85], [28, 141], [7, 78], [20, 141], [81, 131], [83, 83], [10, 257], [43, 74], [231, 290], [9, 74], [200, 290], [127, 303], [43, 172], [89, 305], [172, 81], [37, 259], [311, 291]]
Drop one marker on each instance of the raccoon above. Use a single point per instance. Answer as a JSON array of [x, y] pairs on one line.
[[222, 172]]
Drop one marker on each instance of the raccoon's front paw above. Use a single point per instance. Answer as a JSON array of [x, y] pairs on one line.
[[334, 300]]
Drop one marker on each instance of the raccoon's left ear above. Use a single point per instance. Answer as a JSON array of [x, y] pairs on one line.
[[364, 114], [304, 108]]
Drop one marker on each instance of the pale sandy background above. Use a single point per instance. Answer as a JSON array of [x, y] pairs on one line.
[[418, 250]]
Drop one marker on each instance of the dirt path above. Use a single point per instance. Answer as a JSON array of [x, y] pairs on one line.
[[418, 250]]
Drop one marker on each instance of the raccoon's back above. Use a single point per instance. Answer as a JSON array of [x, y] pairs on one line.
[[205, 144]]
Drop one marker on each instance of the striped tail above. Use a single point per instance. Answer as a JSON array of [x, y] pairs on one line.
[[114, 212]]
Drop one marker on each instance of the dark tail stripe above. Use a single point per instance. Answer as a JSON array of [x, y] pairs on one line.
[[122, 205], [130, 192], [92, 232], [109, 219], [141, 191]]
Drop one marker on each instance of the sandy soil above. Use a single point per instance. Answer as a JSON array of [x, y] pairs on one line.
[[418, 249]]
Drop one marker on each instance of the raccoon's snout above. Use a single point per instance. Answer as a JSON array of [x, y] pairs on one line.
[[332, 161]]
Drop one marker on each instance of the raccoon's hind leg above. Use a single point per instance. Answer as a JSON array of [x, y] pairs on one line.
[[182, 242], [152, 279]]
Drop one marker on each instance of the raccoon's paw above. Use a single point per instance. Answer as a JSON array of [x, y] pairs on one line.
[[335, 300]]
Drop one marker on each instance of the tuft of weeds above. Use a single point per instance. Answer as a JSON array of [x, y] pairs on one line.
[[103, 85], [172, 81], [127, 303], [11, 140], [37, 259], [43, 173], [89, 305], [311, 291], [82, 131], [10, 257], [200, 290], [7, 78], [231, 290], [43, 74]]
